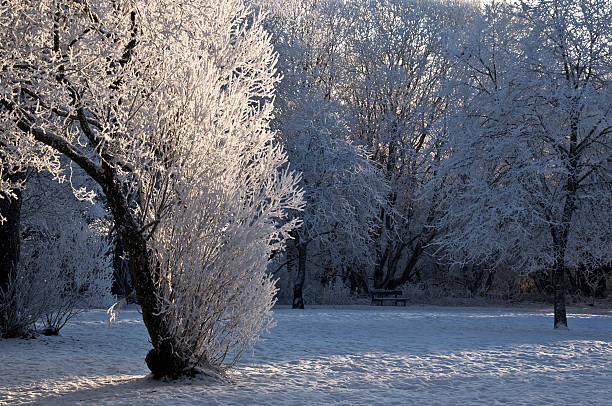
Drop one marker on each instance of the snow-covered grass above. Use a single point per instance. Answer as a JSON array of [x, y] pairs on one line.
[[344, 355]]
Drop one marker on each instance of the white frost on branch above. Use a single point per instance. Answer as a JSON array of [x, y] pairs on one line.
[[166, 105]]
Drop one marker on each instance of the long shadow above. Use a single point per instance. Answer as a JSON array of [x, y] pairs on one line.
[[412, 332], [438, 330], [129, 390]]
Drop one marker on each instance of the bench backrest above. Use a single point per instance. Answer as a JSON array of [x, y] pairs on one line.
[[382, 292]]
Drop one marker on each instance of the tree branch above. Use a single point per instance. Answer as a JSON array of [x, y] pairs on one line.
[[24, 123]]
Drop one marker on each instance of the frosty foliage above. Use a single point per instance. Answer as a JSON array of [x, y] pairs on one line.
[[166, 106], [490, 122], [528, 162], [67, 281], [344, 190], [385, 63], [395, 79], [64, 266], [231, 195], [481, 131]]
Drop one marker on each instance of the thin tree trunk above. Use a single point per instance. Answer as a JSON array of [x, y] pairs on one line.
[[379, 270], [560, 234], [299, 250], [558, 281], [560, 238], [9, 254], [9, 238], [122, 281]]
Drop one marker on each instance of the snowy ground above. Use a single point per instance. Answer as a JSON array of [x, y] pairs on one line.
[[357, 355]]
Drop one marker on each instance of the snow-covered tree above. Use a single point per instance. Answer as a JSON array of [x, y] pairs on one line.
[[394, 76], [309, 37], [528, 169], [344, 190], [165, 105], [344, 194], [53, 280]]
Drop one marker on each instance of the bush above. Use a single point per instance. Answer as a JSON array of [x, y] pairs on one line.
[[71, 271]]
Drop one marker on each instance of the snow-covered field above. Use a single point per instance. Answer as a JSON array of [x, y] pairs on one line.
[[348, 355]]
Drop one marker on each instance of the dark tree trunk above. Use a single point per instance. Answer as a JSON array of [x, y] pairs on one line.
[[297, 252], [559, 286], [122, 281], [161, 360], [9, 254], [379, 270], [9, 238], [560, 234], [409, 273], [392, 264], [560, 237]]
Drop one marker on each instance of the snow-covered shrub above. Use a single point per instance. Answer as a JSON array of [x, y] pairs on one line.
[[336, 292], [21, 305], [228, 192], [65, 255], [213, 288], [58, 277], [72, 270], [64, 259]]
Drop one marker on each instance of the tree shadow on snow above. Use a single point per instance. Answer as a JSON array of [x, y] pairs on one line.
[[103, 390]]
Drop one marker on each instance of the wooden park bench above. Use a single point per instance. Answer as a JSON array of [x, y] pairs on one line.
[[380, 296]]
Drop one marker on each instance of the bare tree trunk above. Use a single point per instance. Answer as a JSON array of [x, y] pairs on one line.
[[161, 360], [560, 234], [409, 272], [560, 237], [297, 251], [298, 300], [9, 238], [379, 270], [9, 255], [122, 281], [558, 281]]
